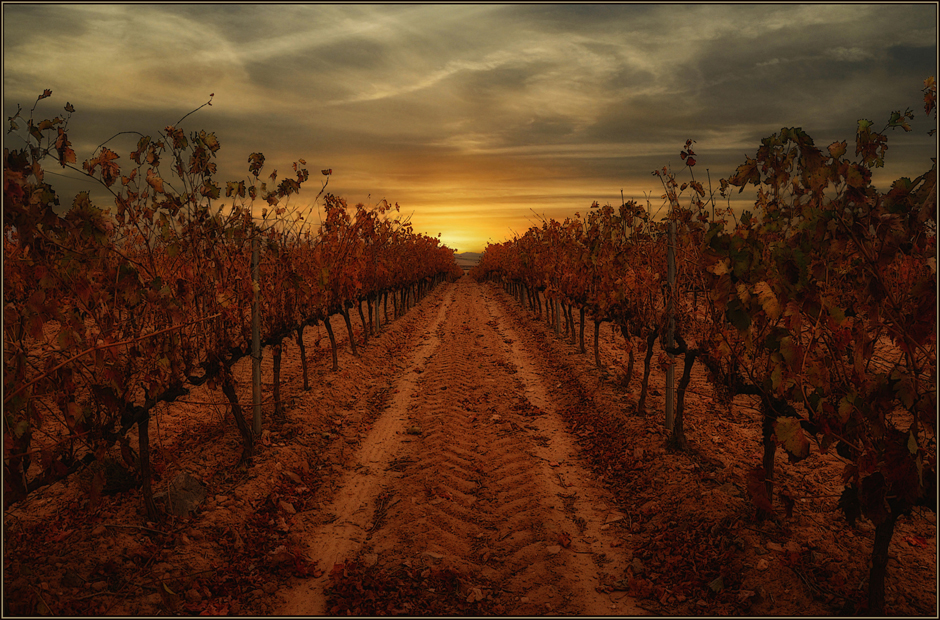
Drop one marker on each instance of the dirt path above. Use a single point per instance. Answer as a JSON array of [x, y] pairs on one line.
[[469, 469]]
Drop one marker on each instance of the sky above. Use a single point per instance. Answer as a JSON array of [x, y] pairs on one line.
[[477, 119]]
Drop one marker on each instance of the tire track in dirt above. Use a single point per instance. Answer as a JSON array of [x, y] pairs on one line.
[[348, 517], [480, 478]]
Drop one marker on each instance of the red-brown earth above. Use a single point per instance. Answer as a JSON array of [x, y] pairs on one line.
[[468, 462]]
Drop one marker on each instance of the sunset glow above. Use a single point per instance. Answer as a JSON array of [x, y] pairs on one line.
[[476, 118]]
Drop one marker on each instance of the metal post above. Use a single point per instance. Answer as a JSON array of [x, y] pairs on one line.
[[670, 313], [256, 335]]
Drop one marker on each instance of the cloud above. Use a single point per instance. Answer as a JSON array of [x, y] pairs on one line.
[[849, 54], [475, 107]]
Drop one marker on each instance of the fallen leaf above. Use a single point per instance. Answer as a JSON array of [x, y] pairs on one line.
[[717, 584], [215, 609]]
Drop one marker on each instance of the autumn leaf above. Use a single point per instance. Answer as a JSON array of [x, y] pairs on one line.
[[62, 144], [154, 181], [141, 146], [210, 190], [900, 120], [255, 163], [745, 173], [837, 149], [768, 300], [791, 436], [109, 170], [210, 140], [235, 188]]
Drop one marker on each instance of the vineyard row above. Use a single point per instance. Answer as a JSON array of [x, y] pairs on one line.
[[820, 303], [108, 314]]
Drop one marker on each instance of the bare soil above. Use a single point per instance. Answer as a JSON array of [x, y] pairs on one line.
[[468, 462]]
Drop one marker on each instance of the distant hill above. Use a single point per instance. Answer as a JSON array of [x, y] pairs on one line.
[[467, 260]]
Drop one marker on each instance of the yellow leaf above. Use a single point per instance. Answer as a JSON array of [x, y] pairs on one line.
[[721, 267], [154, 181], [768, 300]]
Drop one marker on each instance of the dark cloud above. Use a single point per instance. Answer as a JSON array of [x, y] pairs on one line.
[[916, 60], [469, 109], [589, 19]]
